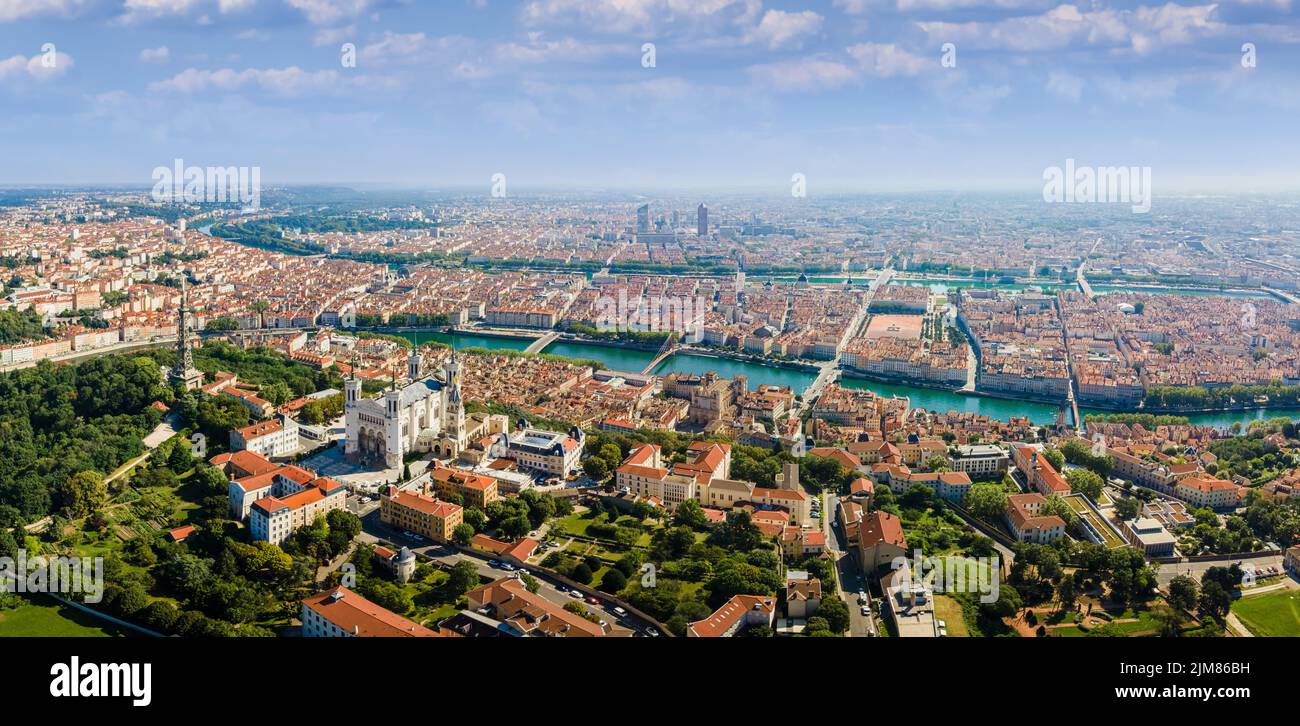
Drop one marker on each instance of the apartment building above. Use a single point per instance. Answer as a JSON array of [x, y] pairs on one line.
[[1038, 471], [1201, 491], [274, 519], [549, 452], [735, 615], [475, 490], [275, 438], [342, 613], [424, 515], [980, 461], [1026, 522]]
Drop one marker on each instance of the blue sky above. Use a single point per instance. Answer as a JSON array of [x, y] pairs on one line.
[[744, 93]]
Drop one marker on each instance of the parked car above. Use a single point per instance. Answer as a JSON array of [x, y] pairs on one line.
[[494, 563], [575, 594], [652, 632], [619, 612], [866, 611], [592, 599]]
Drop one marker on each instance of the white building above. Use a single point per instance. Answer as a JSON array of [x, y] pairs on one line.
[[983, 460], [425, 415], [269, 439], [341, 613], [549, 452]]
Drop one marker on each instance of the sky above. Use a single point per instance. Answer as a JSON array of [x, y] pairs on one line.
[[871, 95]]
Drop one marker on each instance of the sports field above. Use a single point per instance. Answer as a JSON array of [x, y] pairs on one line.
[[1276, 614]]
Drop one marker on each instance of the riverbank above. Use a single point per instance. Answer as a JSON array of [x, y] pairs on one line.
[[798, 375]]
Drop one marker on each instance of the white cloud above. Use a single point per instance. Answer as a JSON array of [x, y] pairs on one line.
[[619, 16], [329, 12], [39, 67], [1143, 28], [804, 74], [11, 10], [778, 28], [291, 81], [155, 55], [887, 60], [334, 36], [137, 10], [540, 50]]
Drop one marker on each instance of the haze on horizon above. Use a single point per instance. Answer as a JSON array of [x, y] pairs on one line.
[[743, 94]]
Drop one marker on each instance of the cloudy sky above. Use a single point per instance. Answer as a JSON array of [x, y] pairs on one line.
[[854, 94]]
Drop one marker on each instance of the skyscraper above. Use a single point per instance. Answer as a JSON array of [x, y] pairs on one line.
[[702, 221], [643, 219]]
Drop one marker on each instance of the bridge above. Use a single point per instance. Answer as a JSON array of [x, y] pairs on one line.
[[1283, 295], [1084, 287], [539, 345], [669, 347]]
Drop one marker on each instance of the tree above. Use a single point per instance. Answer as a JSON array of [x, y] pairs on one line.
[[596, 468], [690, 514], [1085, 482], [836, 613], [1215, 600], [938, 462], [613, 582], [1055, 458], [1183, 593], [581, 573], [1128, 507], [464, 577], [84, 493], [462, 534], [987, 501]]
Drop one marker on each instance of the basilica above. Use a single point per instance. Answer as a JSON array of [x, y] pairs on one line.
[[426, 415]]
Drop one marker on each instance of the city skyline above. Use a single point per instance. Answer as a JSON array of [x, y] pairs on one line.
[[555, 94]]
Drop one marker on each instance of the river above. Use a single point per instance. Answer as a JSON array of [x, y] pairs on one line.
[[624, 359]]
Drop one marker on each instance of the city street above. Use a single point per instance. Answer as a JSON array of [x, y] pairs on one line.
[[848, 580]]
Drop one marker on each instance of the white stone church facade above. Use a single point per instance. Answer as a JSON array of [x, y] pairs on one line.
[[426, 415]]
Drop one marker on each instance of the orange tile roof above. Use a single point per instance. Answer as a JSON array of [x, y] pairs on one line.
[[357, 615]]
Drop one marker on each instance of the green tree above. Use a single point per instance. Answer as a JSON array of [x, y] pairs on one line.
[[464, 577], [690, 514], [83, 494], [462, 534], [581, 573], [987, 501], [613, 581], [1085, 482], [1183, 593]]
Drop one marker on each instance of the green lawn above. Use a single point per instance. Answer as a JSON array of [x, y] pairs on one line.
[[46, 618], [949, 611], [1276, 614]]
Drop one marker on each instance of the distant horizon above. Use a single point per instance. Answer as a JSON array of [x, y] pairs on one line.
[[860, 96]]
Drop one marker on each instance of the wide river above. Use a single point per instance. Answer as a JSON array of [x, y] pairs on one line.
[[622, 359]]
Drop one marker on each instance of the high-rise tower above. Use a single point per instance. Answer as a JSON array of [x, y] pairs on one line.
[[184, 373], [702, 220]]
